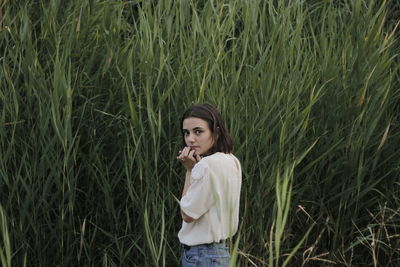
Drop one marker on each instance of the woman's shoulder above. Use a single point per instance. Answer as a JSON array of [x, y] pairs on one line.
[[219, 158], [216, 156], [219, 161]]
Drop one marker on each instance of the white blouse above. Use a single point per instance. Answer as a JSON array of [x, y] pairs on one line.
[[212, 200]]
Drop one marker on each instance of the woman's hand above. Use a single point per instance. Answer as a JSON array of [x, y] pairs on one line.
[[188, 158]]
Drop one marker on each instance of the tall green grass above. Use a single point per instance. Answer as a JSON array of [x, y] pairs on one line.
[[91, 94]]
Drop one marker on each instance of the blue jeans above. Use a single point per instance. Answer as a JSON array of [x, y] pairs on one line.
[[207, 255]]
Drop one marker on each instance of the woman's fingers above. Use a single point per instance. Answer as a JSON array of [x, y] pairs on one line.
[[190, 156], [186, 151], [187, 154], [183, 154]]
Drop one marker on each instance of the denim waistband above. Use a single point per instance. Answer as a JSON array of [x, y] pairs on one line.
[[220, 244]]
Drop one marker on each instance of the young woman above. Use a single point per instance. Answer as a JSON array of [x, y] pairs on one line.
[[211, 193]]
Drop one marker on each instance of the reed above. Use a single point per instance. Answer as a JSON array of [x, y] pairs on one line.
[[91, 94]]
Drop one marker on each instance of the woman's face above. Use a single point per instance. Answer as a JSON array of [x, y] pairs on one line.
[[197, 135]]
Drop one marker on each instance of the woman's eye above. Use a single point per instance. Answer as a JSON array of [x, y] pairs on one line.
[[198, 132]]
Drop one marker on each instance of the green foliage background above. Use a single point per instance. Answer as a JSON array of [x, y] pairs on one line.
[[91, 94]]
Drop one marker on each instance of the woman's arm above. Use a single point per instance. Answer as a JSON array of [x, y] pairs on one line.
[[187, 182], [188, 158], [185, 217]]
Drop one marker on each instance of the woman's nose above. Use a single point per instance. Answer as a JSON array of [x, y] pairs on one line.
[[190, 138]]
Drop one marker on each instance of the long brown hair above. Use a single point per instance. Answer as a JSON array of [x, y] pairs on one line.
[[222, 139]]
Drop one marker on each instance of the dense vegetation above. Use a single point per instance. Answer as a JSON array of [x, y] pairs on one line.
[[91, 92]]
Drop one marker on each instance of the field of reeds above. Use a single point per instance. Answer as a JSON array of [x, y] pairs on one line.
[[91, 93]]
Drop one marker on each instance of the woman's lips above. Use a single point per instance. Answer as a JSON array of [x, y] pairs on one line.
[[194, 147]]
